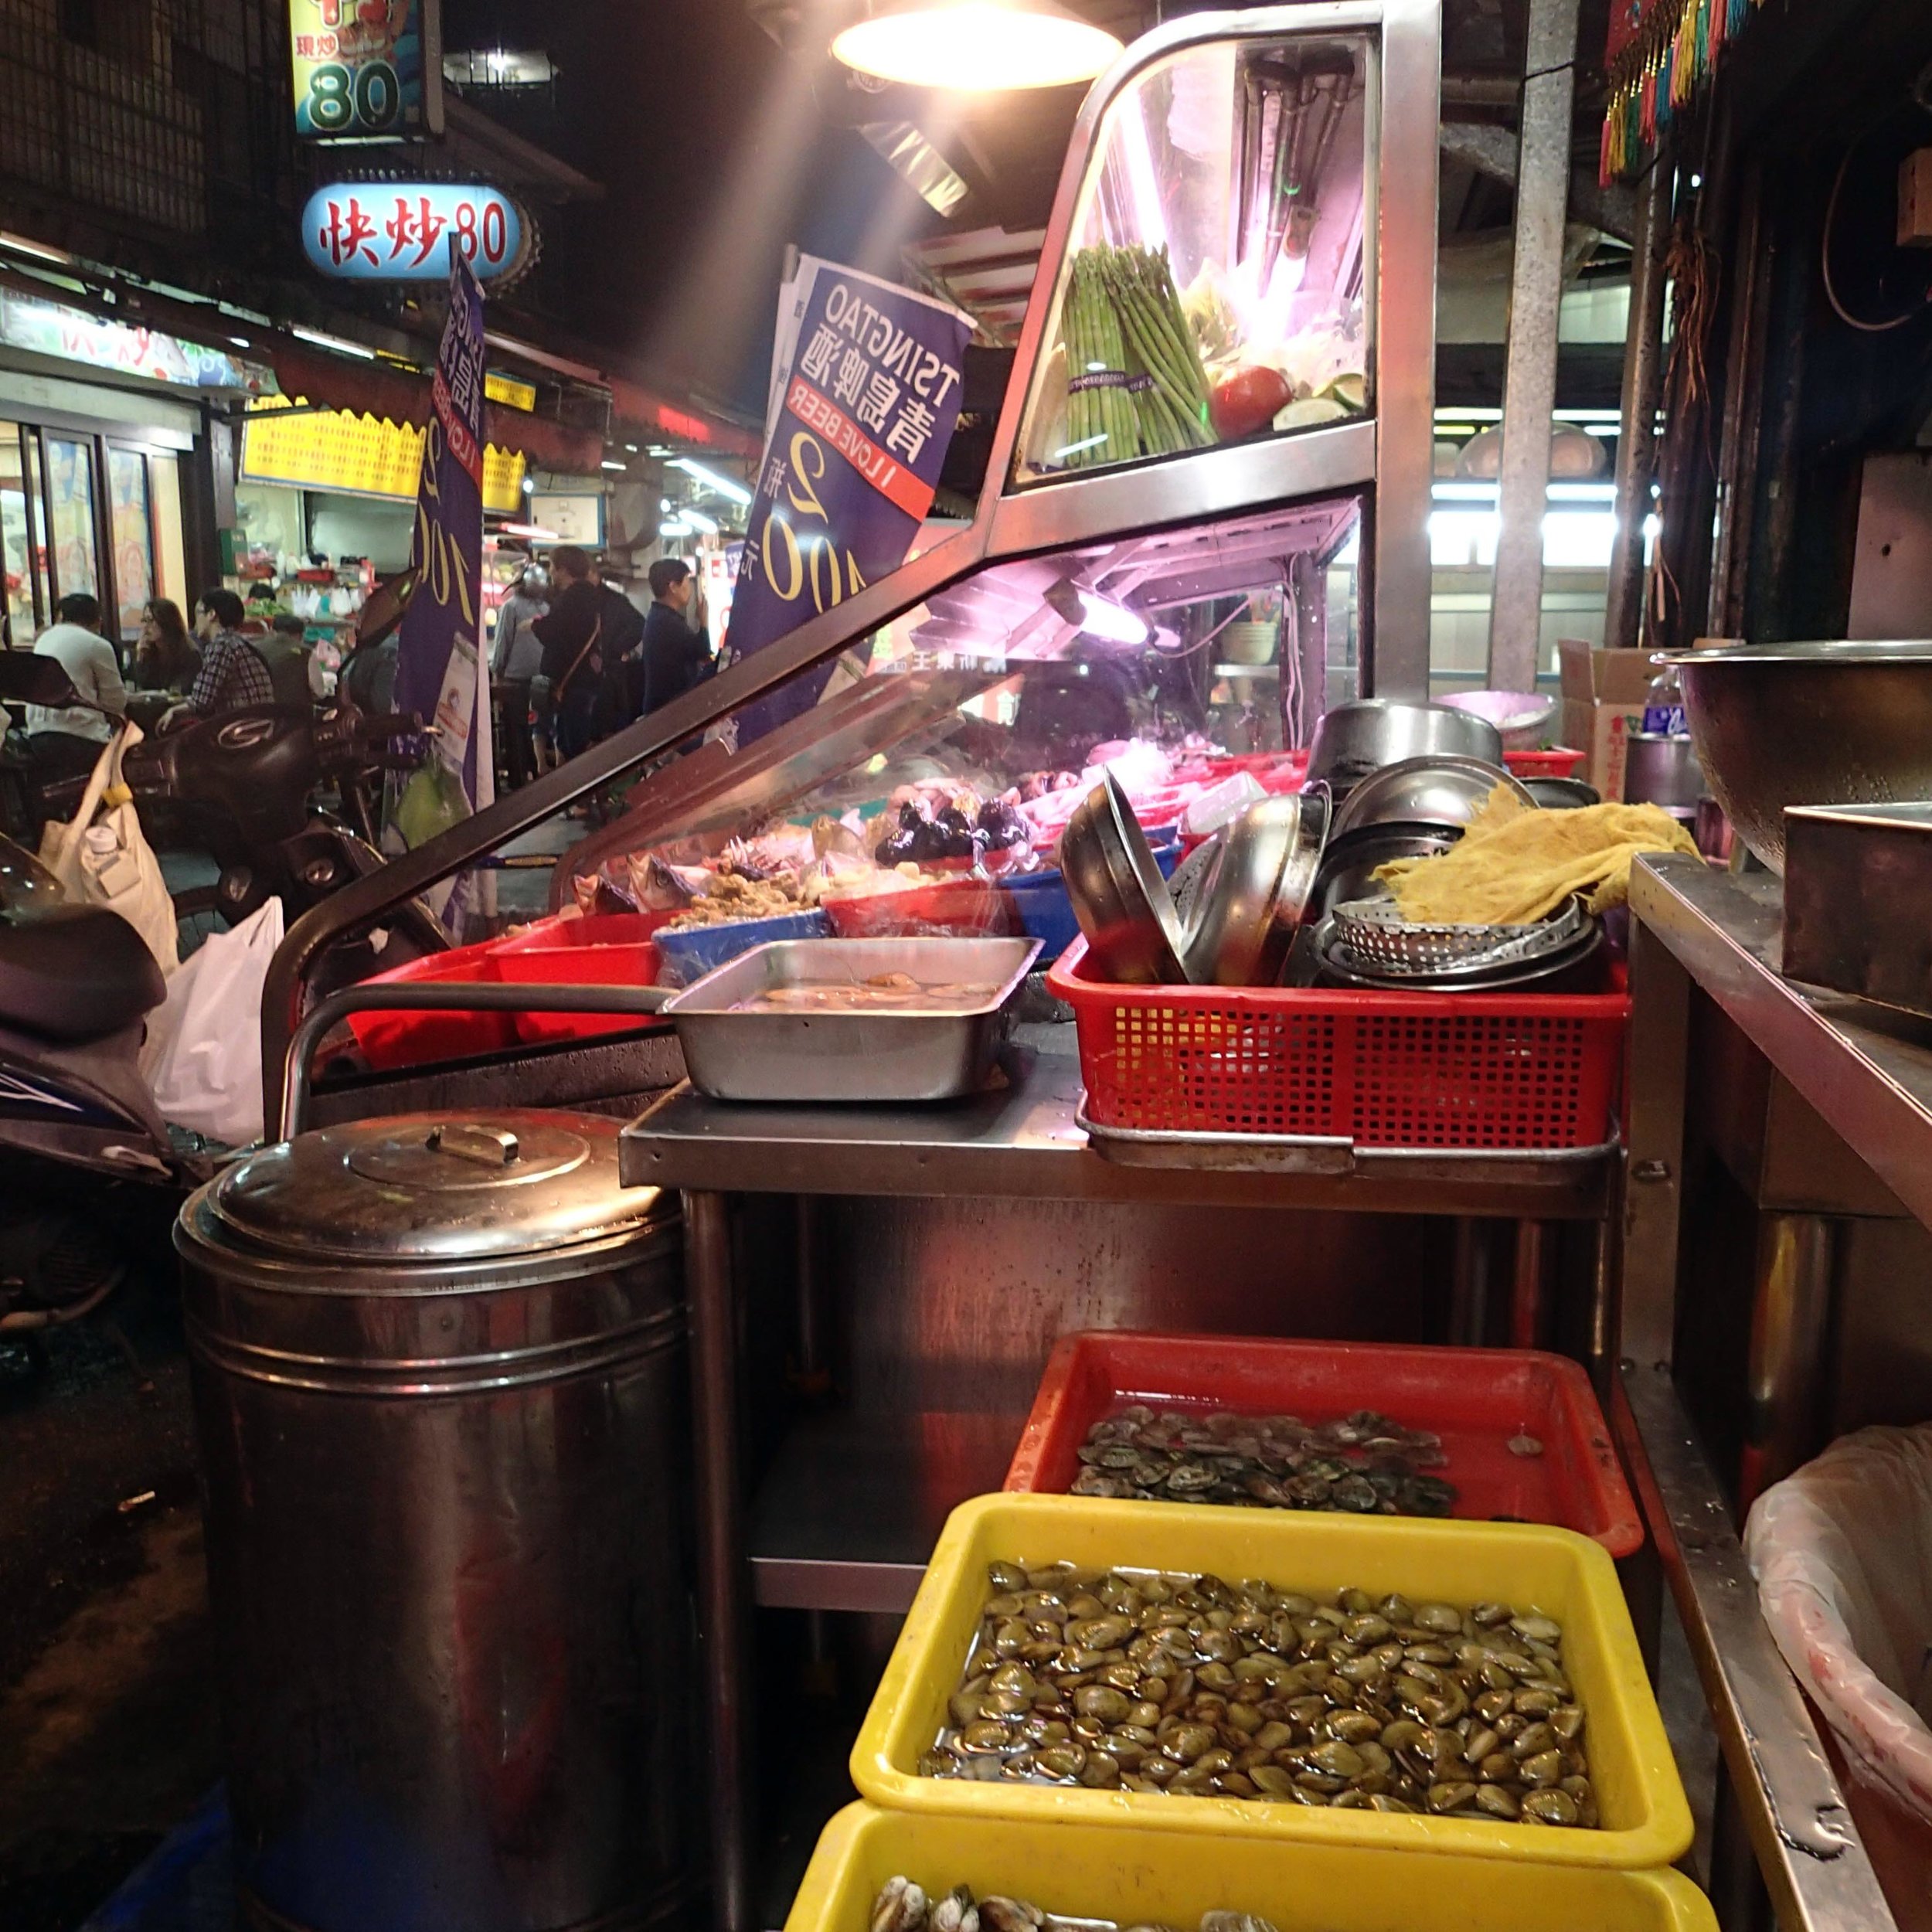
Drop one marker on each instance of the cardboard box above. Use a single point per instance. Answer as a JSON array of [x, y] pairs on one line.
[[1604, 693]]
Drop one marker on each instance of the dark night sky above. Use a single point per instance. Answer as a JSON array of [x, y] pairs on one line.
[[714, 155]]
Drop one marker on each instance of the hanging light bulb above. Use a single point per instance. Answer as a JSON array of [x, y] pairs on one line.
[[976, 46]]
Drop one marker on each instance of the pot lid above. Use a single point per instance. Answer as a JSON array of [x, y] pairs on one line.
[[435, 1187]]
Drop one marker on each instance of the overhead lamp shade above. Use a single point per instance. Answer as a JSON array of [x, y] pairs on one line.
[[976, 46]]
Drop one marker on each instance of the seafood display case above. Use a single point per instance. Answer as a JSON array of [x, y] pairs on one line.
[[1247, 213]]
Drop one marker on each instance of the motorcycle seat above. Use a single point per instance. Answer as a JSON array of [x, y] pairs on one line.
[[76, 972]]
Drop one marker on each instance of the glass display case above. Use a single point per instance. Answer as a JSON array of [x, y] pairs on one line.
[[957, 738], [1220, 279]]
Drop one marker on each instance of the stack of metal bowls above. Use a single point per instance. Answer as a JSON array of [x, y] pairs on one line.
[[1235, 905], [1413, 809], [1287, 892], [1367, 943]]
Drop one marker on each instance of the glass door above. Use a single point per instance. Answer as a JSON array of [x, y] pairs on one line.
[[131, 527], [71, 499], [23, 568]]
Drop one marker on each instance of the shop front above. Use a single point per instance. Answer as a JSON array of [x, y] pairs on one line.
[[99, 423]]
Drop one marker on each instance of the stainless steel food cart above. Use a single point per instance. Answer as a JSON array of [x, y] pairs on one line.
[[953, 1248]]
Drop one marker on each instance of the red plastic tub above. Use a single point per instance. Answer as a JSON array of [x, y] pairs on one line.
[[947, 908], [1558, 762], [392, 1040], [1477, 1400], [604, 949], [1501, 1070]]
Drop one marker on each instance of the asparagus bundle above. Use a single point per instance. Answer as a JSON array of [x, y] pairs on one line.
[[1101, 423], [1135, 381]]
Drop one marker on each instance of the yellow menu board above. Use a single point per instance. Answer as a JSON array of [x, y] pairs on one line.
[[362, 455]]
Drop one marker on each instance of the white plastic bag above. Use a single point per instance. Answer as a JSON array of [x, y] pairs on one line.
[[203, 1056], [1842, 1553], [102, 857]]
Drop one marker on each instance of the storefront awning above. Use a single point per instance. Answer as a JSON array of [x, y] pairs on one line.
[[382, 390]]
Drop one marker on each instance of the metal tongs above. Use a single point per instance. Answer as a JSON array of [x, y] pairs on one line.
[[1308, 94]]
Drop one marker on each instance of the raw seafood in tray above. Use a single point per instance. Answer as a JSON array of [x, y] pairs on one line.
[[1363, 1462], [1193, 1686]]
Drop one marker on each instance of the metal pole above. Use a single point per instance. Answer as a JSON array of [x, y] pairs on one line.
[[723, 1595], [1529, 380], [1637, 437], [1395, 663]]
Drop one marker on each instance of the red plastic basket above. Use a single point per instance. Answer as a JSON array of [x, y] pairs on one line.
[[606, 949], [963, 908], [392, 1040], [1558, 762], [1382, 1070], [1476, 1399]]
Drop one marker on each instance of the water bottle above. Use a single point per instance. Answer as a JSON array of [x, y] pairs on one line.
[[1663, 706]]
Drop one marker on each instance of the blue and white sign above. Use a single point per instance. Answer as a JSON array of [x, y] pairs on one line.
[[400, 231]]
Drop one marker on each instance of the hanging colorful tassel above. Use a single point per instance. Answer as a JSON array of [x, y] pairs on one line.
[[1666, 49]]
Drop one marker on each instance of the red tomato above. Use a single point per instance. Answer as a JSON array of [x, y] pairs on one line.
[[1246, 400]]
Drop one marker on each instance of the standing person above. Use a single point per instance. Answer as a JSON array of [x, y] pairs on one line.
[[166, 658], [677, 651], [68, 738], [623, 634], [516, 657], [571, 633], [233, 673]]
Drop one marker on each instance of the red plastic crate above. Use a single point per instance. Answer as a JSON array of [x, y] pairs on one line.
[[392, 1040], [1475, 1399], [964, 908], [602, 949], [1382, 1070], [1558, 762]]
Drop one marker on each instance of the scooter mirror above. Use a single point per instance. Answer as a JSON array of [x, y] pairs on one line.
[[27, 678], [26, 886]]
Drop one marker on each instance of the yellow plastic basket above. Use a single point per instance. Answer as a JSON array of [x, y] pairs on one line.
[[1645, 1819], [1169, 1877]]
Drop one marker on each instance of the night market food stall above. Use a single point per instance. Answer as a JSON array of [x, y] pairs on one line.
[[1346, 1064]]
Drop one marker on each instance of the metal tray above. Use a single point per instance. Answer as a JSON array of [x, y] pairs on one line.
[[1858, 895], [849, 1057]]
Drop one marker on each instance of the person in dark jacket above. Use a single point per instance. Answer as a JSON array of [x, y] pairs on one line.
[[676, 655], [623, 634], [571, 632]]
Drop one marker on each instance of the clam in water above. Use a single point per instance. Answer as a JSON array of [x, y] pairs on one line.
[[1364, 1463], [904, 1906], [1142, 1681]]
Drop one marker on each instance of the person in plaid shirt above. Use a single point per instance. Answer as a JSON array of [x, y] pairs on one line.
[[233, 674]]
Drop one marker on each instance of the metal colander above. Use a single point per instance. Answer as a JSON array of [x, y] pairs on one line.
[[1375, 936]]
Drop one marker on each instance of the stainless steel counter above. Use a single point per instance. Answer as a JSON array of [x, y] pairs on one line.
[[1869, 1074], [1024, 1141]]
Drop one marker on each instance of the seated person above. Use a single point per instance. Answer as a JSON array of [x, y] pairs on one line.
[[68, 738]]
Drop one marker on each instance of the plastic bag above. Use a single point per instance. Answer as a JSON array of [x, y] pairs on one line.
[[1842, 1553], [102, 857], [203, 1056]]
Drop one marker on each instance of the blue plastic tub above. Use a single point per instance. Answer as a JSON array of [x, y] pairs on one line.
[[687, 956], [1046, 913]]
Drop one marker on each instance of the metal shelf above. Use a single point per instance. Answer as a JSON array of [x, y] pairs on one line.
[[1866, 1070], [854, 1502], [1808, 1848], [1024, 1142]]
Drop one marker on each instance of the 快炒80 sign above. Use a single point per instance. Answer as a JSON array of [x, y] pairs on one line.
[[400, 231]]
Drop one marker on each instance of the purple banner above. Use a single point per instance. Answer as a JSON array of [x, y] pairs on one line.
[[867, 408], [439, 645]]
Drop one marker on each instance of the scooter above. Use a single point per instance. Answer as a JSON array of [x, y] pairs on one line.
[[243, 787]]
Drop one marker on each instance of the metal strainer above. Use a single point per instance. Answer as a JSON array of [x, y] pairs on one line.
[[1373, 933]]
